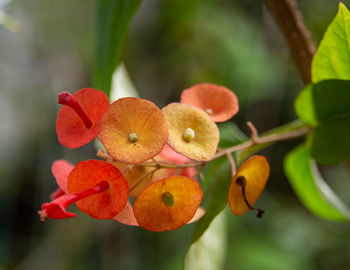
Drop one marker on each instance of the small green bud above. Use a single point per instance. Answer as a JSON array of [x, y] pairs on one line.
[[188, 135], [168, 199], [133, 137]]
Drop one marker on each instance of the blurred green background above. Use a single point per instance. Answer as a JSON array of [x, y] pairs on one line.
[[171, 45]]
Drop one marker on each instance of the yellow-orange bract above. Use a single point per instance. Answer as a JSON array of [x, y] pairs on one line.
[[181, 117], [218, 101], [256, 171], [152, 211], [133, 130]]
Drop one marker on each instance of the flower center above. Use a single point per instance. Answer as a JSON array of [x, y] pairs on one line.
[[188, 135], [168, 199], [133, 137]]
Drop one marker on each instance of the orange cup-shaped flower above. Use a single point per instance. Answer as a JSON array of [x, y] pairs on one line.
[[191, 132], [133, 130], [217, 101], [78, 120], [168, 204], [103, 205], [247, 185]]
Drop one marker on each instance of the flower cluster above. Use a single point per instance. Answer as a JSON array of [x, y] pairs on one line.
[[149, 154]]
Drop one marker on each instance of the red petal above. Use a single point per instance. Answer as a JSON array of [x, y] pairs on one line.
[[71, 131]]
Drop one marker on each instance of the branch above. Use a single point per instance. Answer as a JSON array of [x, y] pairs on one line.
[[290, 22], [245, 145]]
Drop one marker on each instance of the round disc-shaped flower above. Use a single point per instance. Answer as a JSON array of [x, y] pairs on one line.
[[104, 205], [217, 101], [133, 130], [78, 120], [191, 132], [249, 181], [168, 204]]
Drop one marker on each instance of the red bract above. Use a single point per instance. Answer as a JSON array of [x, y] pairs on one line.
[[60, 170], [78, 120], [105, 205]]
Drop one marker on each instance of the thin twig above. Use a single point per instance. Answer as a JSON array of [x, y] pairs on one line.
[[254, 132], [155, 161], [199, 172], [232, 163], [142, 178], [239, 147], [127, 168]]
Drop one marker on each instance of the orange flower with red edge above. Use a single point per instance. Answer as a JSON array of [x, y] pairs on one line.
[[133, 130], [168, 204], [217, 101]]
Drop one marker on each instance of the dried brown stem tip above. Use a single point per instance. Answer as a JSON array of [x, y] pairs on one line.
[[242, 182], [254, 132]]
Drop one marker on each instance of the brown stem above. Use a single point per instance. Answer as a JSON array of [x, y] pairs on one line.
[[242, 182], [254, 133], [232, 163], [290, 21], [245, 145], [142, 178]]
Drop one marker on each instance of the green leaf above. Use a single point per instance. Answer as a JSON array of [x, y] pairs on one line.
[[331, 143], [218, 172], [311, 189], [209, 251], [323, 101], [230, 135], [332, 59], [326, 106], [304, 106], [113, 18]]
